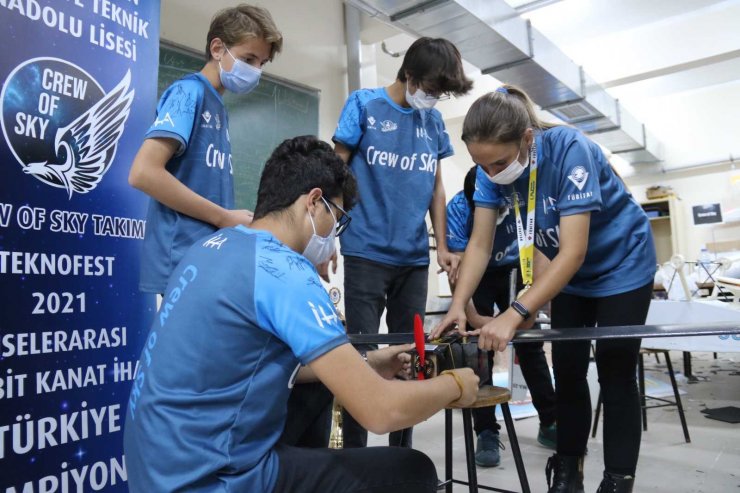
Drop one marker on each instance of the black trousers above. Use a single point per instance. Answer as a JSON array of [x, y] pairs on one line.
[[494, 288], [616, 362], [369, 288], [306, 464], [366, 470], [309, 416]]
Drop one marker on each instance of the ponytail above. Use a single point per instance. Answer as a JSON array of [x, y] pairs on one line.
[[501, 116]]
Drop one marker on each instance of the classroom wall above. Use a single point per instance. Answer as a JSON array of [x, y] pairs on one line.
[[314, 52], [707, 185]]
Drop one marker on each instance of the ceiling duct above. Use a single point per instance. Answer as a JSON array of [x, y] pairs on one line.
[[492, 36]]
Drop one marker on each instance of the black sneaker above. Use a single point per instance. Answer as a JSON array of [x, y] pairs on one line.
[[487, 449]]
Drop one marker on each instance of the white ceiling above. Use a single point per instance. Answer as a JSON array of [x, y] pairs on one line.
[[673, 64]]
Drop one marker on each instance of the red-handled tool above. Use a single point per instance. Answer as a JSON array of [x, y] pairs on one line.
[[419, 340]]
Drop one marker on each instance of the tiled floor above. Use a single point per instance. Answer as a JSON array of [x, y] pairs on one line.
[[710, 463]]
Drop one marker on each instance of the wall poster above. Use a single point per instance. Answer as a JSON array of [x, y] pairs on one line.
[[78, 93]]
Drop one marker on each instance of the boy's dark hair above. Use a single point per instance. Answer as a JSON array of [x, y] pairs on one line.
[[435, 64], [469, 187], [299, 165], [237, 24]]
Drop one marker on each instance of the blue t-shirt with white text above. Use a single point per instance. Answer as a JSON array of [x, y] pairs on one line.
[[505, 250], [193, 113], [395, 154], [241, 312], [573, 177]]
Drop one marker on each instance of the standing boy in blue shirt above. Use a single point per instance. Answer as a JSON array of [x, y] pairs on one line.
[[394, 140], [243, 319], [184, 164]]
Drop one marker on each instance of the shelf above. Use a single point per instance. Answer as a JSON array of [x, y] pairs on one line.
[[654, 219]]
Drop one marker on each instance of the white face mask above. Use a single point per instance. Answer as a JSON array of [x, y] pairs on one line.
[[508, 175], [420, 100], [319, 248], [242, 78]]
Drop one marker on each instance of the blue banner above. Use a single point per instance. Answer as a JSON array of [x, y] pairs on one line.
[[79, 92]]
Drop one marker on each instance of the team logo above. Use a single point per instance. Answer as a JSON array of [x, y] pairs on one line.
[[388, 126], [218, 122], [60, 125], [578, 176]]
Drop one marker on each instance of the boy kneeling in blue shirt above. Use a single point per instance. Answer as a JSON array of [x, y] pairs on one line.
[[243, 319]]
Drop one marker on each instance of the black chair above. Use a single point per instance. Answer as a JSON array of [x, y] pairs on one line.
[[644, 398]]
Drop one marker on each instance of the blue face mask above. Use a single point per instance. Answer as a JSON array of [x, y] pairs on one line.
[[242, 78]]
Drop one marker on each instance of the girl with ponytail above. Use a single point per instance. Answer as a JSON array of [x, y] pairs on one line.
[[573, 209]]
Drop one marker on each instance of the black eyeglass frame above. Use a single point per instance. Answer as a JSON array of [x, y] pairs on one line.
[[343, 221]]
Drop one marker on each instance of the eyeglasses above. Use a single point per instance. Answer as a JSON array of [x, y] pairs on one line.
[[439, 96], [343, 221]]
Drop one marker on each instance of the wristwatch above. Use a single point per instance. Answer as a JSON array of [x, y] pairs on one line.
[[520, 309]]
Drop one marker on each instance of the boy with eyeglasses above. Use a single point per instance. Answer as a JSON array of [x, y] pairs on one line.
[[393, 140], [244, 319]]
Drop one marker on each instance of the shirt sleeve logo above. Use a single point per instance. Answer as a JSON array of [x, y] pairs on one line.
[[215, 241], [166, 119], [578, 176]]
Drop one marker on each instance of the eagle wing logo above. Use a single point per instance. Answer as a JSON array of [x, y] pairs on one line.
[[86, 147]]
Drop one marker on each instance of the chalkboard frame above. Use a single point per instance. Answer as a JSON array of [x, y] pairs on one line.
[[249, 152]]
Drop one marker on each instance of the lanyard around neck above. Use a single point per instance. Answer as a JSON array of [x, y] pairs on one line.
[[525, 239]]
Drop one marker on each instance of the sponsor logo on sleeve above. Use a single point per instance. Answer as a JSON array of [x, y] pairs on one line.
[[578, 176]]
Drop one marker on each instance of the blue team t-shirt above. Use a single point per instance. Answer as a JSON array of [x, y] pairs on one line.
[[573, 177], [395, 153], [505, 250], [209, 401], [193, 113]]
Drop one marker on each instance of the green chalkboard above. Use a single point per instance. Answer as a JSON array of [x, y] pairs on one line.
[[276, 110]]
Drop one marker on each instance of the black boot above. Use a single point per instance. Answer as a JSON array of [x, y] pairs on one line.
[[566, 473], [616, 483]]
